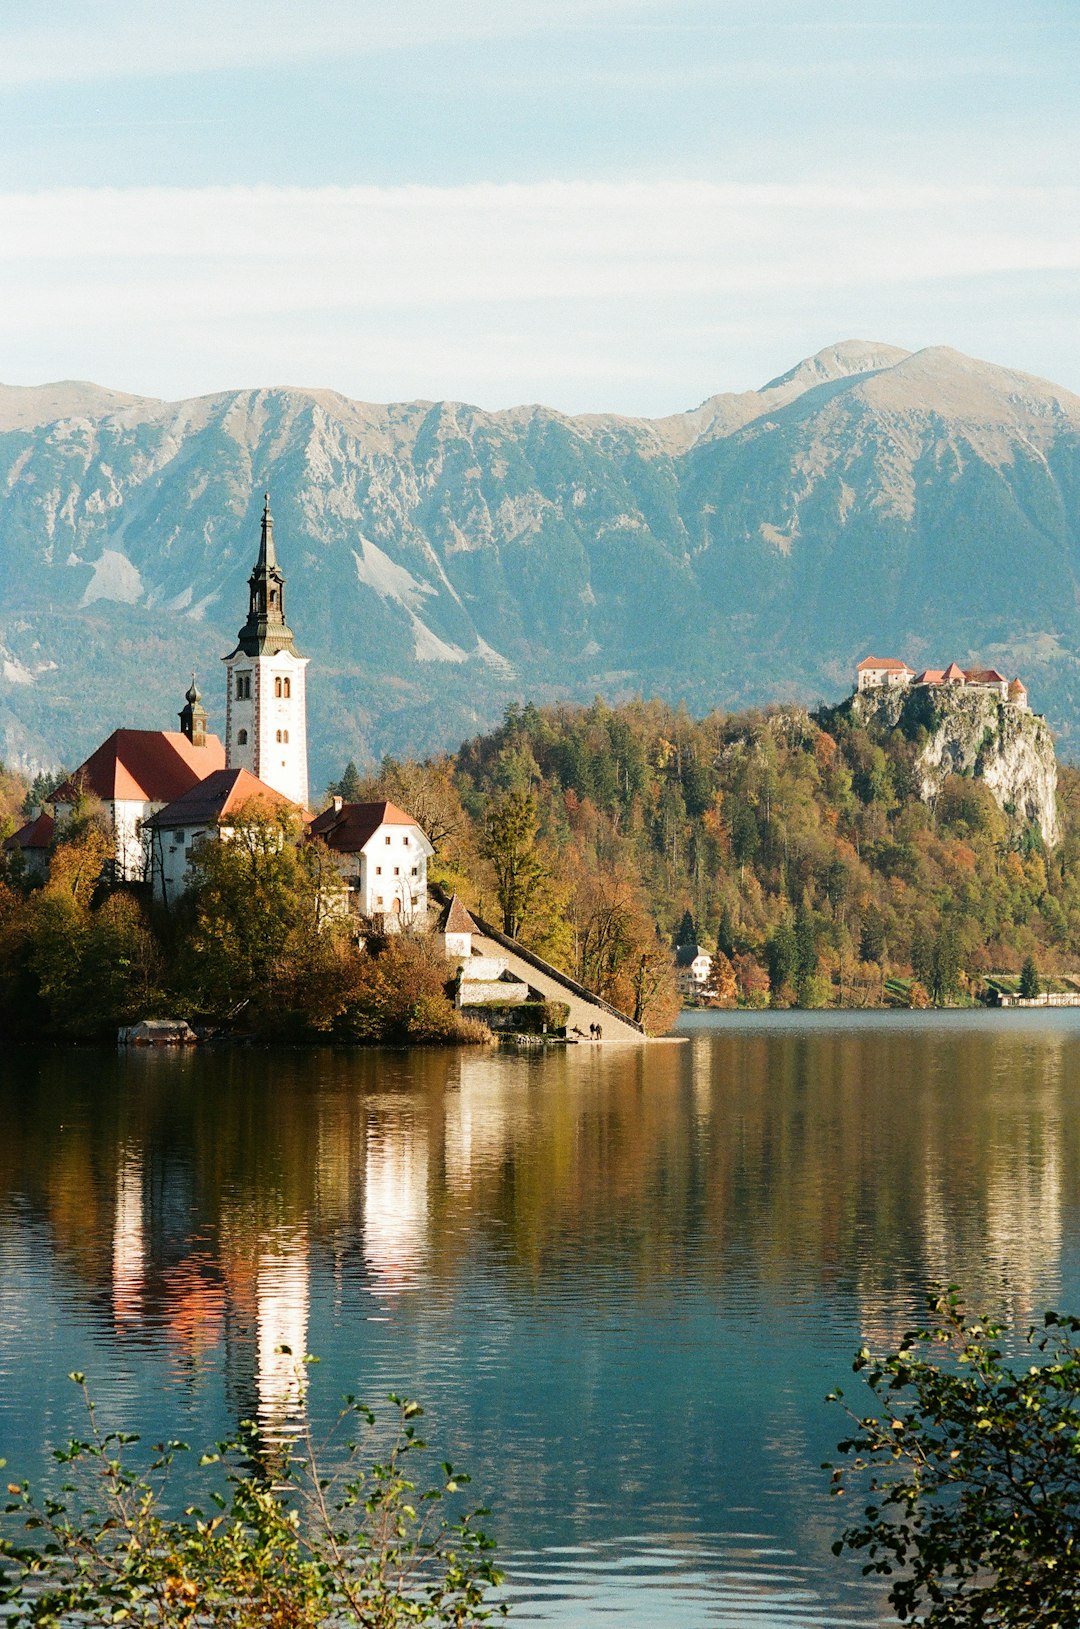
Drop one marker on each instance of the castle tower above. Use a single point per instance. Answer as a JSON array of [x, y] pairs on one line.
[[266, 711]]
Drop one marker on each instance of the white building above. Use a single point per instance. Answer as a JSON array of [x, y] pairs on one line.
[[382, 855], [135, 773], [265, 696], [875, 670], [693, 969], [201, 815]]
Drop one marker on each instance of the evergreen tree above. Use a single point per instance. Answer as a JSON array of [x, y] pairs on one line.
[[781, 953], [725, 934], [806, 953], [686, 933], [1030, 983]]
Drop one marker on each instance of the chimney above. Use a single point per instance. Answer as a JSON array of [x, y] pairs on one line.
[[337, 804]]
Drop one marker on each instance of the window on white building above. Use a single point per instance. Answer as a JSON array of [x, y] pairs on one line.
[[243, 687], [241, 738]]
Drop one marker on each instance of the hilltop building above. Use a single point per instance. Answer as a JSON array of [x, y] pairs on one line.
[[874, 672], [265, 695]]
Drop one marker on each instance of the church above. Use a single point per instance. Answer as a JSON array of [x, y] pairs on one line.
[[165, 791], [139, 776]]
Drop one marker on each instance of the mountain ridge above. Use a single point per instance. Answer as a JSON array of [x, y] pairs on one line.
[[444, 559]]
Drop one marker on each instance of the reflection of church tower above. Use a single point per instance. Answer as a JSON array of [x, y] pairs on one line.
[[129, 1240], [266, 712], [282, 1300]]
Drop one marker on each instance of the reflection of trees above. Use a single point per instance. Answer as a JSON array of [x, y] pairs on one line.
[[191, 1200]]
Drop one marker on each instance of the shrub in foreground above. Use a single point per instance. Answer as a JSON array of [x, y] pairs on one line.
[[277, 1542], [973, 1468]]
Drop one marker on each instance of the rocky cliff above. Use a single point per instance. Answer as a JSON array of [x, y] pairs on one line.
[[971, 732]]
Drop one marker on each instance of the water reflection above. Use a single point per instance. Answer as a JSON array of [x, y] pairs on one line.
[[623, 1280]]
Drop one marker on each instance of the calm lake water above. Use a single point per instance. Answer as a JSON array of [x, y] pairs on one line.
[[620, 1280]]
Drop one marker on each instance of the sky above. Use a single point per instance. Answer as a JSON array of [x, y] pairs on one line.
[[620, 205]]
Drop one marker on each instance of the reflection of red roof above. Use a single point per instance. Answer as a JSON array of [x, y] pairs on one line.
[[349, 828], [145, 766], [953, 672], [984, 675], [888, 663], [219, 795], [35, 834]]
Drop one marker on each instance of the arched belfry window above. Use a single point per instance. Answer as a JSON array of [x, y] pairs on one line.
[[241, 738]]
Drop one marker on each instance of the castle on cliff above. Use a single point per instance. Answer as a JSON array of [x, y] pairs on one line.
[[876, 671]]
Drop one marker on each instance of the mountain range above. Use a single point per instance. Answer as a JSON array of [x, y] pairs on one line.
[[443, 561]]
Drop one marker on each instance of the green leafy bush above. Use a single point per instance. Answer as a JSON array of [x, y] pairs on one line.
[[278, 1542], [973, 1468]]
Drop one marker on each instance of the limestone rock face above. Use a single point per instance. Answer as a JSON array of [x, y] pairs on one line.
[[971, 732]]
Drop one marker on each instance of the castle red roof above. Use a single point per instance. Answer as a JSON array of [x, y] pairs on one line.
[[221, 794], [984, 675], [349, 828], [34, 835], [1018, 688], [888, 663], [930, 675], [953, 673], [145, 766]]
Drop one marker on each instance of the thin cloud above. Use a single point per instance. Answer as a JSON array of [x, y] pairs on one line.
[[199, 36], [629, 295]]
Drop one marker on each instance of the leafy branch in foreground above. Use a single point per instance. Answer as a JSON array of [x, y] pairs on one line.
[[973, 1469], [291, 1550]]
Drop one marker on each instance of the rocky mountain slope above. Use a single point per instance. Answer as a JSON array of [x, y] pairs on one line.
[[443, 560]]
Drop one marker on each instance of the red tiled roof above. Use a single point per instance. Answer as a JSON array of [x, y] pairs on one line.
[[219, 795], [1018, 688], [984, 675], [35, 834], [349, 828], [930, 675], [456, 919], [147, 766], [953, 671], [888, 663]]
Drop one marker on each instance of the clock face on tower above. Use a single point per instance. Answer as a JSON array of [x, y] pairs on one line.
[[265, 703]]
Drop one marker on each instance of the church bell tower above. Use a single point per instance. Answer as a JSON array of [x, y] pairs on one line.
[[265, 703]]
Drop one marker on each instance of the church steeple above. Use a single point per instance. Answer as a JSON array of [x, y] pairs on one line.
[[193, 717], [266, 630], [265, 701]]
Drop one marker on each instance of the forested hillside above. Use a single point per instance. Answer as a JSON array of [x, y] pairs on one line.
[[802, 853]]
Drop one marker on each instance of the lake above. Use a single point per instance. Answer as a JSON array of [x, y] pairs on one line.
[[620, 1280]]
